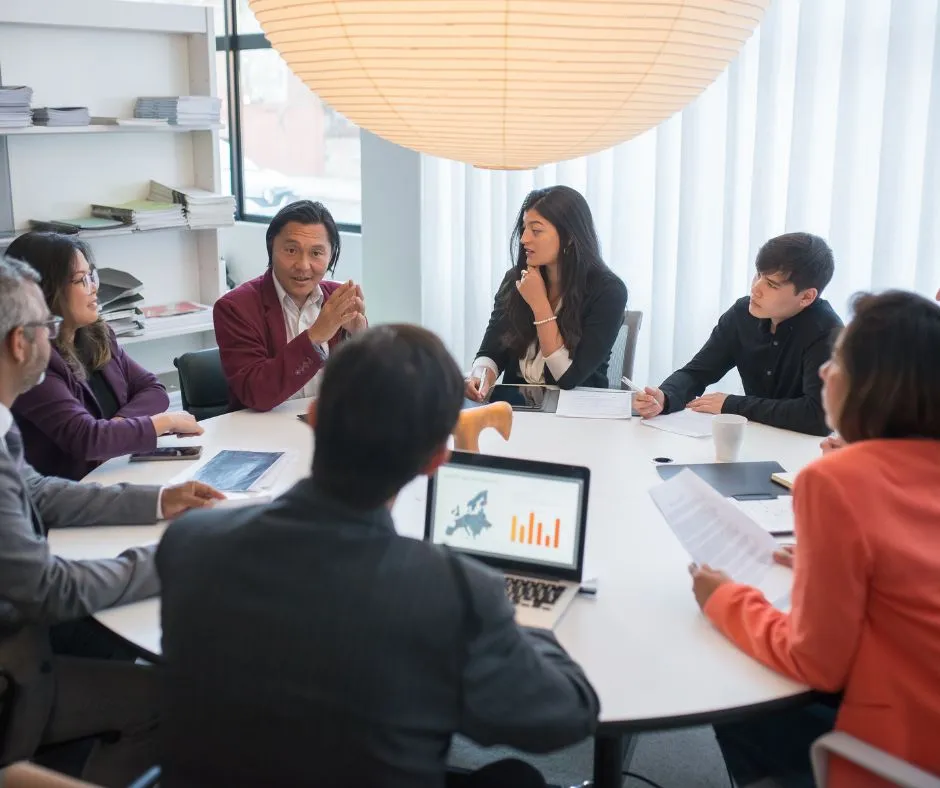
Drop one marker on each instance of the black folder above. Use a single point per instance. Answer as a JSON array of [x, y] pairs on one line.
[[741, 480]]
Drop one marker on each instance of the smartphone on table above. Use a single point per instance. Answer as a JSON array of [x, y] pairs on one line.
[[168, 453]]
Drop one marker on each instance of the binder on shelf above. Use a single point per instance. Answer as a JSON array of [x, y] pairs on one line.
[[180, 110], [85, 224], [61, 116], [143, 214]]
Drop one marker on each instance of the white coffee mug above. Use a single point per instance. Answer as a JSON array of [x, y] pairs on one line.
[[728, 434]]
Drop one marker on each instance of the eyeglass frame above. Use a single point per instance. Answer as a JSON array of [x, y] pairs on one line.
[[88, 280], [51, 323]]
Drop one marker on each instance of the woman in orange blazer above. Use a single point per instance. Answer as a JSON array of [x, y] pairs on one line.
[[865, 616]]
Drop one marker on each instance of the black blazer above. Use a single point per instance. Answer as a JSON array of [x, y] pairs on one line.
[[308, 643], [601, 320]]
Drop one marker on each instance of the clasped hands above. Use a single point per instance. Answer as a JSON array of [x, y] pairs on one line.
[[345, 308]]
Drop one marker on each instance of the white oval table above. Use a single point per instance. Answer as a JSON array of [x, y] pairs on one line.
[[654, 660]]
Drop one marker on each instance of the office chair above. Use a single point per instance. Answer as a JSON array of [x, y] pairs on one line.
[[878, 762], [623, 353], [203, 387]]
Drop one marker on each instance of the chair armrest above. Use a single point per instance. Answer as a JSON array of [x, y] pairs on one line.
[[876, 761]]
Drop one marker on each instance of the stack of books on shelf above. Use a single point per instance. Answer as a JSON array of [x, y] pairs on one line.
[[180, 110], [14, 107], [143, 214], [61, 116], [203, 208], [119, 300]]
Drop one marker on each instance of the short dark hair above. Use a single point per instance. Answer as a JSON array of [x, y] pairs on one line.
[[389, 399], [304, 212], [805, 259], [890, 356]]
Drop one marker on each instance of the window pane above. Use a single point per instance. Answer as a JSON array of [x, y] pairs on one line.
[[295, 147], [225, 161], [247, 24]]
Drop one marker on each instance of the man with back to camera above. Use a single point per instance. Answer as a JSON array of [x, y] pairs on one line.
[[306, 642], [778, 337], [71, 678], [276, 331]]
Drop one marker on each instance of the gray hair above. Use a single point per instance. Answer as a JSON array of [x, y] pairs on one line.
[[16, 307]]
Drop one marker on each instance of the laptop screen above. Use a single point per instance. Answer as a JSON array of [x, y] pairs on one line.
[[510, 513]]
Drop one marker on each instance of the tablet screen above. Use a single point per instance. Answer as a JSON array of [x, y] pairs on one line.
[[521, 397]]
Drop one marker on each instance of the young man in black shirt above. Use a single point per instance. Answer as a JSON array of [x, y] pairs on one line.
[[777, 337]]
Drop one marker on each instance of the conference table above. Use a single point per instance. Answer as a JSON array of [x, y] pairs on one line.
[[654, 659]]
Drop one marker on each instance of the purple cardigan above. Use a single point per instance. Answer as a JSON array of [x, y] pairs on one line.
[[64, 433]]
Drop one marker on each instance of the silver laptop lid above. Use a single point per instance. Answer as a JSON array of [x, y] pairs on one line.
[[517, 515]]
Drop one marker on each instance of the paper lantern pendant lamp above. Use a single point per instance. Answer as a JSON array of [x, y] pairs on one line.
[[508, 84]]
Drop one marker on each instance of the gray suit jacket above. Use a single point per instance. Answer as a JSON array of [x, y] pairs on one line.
[[306, 642], [38, 589]]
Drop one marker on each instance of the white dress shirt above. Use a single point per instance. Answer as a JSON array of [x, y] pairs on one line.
[[298, 320], [6, 421]]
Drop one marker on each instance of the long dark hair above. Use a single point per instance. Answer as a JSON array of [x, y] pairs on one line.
[[53, 256], [568, 212]]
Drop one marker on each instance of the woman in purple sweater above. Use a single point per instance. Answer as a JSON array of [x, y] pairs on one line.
[[95, 401]]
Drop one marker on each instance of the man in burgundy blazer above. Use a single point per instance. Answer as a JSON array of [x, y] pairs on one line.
[[275, 332]]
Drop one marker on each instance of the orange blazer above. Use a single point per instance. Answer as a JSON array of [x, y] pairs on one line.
[[865, 616]]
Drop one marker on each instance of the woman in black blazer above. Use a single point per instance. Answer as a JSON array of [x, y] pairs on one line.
[[558, 310]]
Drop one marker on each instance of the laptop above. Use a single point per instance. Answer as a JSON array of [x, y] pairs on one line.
[[523, 517]]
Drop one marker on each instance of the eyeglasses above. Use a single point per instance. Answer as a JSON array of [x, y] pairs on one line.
[[52, 325], [89, 280]]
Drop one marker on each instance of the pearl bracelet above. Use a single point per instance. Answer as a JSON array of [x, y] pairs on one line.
[[546, 320]]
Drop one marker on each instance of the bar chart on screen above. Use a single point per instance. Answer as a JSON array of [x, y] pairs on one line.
[[532, 533]]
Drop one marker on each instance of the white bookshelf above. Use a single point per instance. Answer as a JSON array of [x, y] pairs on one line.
[[94, 128], [104, 54]]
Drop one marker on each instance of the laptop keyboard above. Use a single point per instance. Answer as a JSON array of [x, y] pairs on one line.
[[532, 593]]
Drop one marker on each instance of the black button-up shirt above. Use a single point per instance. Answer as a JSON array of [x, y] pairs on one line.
[[780, 371]]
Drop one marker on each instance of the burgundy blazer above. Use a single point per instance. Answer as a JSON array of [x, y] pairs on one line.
[[64, 433], [263, 369]]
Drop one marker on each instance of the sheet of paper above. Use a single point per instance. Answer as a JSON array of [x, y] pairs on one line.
[[595, 404], [716, 532], [683, 422], [774, 515]]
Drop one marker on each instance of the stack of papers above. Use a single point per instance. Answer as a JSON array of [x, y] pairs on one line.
[[61, 116], [591, 403], [180, 110], [118, 296], [202, 208], [143, 214], [683, 422], [14, 107]]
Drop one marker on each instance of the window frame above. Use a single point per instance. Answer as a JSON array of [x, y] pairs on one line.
[[232, 44]]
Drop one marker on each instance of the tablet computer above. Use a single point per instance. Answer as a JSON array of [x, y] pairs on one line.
[[522, 396]]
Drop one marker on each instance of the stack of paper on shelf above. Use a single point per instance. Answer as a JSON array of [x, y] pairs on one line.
[[14, 106], [143, 214], [61, 116], [203, 208], [118, 299], [83, 224], [180, 110], [174, 309]]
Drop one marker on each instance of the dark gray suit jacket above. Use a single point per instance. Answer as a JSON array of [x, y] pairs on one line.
[[38, 589], [307, 643]]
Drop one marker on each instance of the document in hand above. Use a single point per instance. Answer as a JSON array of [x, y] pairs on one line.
[[591, 403], [715, 532], [683, 422]]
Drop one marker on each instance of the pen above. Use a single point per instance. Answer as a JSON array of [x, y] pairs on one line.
[[631, 385]]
